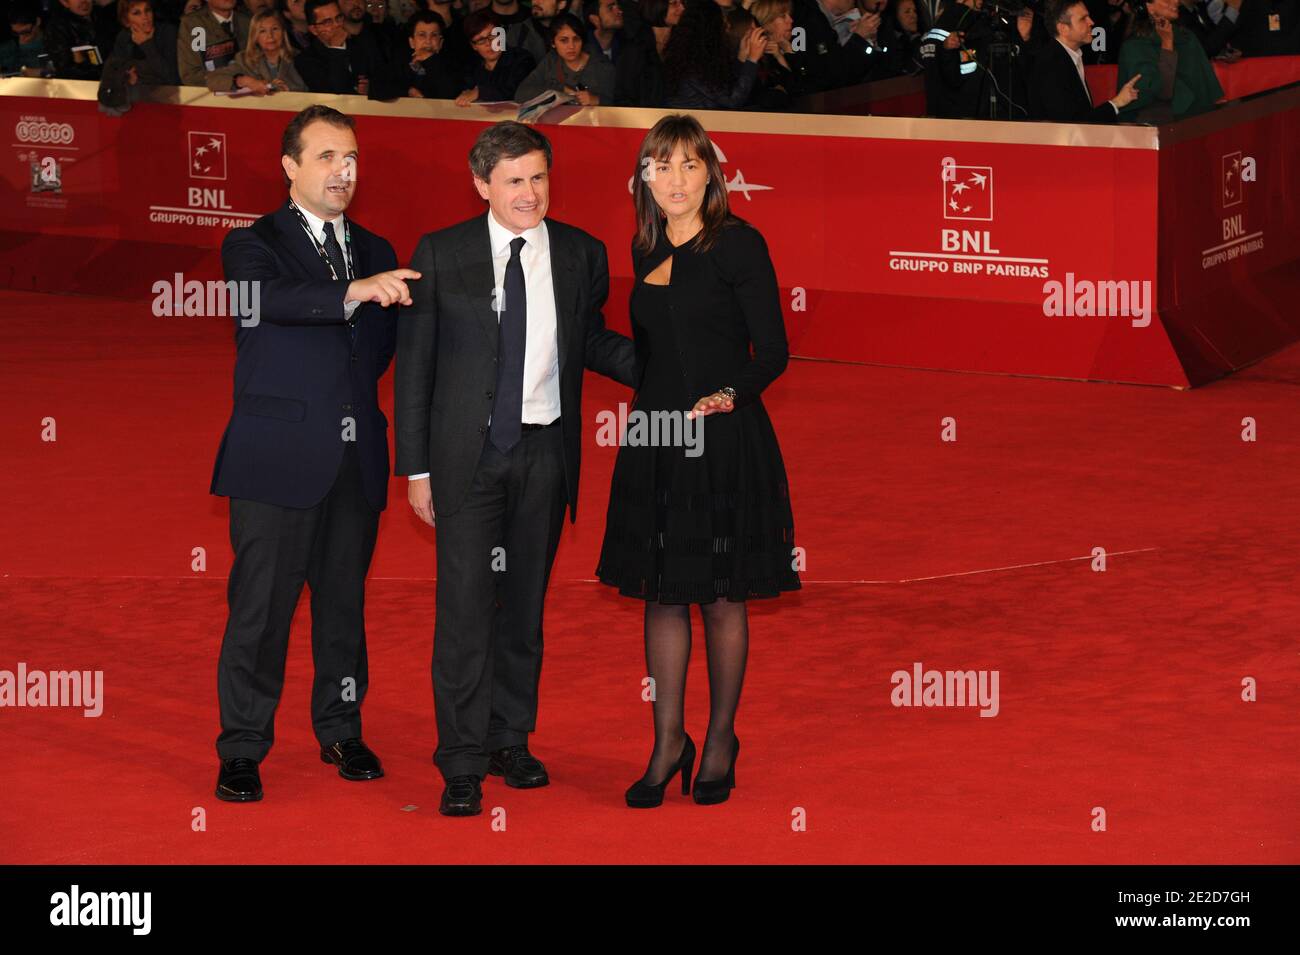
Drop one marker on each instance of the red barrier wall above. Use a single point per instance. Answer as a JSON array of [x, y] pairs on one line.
[[896, 241], [1240, 79]]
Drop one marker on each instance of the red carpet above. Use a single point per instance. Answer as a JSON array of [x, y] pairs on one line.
[[1118, 689]]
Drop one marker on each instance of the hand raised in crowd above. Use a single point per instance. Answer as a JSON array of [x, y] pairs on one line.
[[867, 26], [1025, 23], [711, 404], [753, 45], [953, 40], [386, 288], [414, 93], [467, 97], [1127, 94], [280, 85]]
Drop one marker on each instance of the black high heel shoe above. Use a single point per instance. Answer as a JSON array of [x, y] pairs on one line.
[[641, 795], [708, 792]]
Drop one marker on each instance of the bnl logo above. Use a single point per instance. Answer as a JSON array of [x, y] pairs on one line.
[[1236, 170], [207, 155], [967, 191]]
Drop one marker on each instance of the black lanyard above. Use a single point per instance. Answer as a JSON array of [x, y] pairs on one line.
[[320, 249]]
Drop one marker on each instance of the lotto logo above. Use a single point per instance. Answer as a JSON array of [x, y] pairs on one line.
[[39, 131]]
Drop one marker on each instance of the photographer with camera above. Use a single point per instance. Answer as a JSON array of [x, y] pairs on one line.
[[975, 60]]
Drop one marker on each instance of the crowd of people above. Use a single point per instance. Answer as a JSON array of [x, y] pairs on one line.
[[1003, 59]]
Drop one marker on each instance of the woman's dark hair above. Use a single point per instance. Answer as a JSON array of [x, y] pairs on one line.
[[890, 15], [476, 22], [653, 12], [1140, 22], [124, 7], [561, 20], [658, 146], [697, 49]]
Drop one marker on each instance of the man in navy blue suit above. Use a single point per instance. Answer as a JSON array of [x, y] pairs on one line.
[[304, 459]]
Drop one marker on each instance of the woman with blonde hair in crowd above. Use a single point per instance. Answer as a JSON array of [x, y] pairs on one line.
[[265, 65], [783, 71]]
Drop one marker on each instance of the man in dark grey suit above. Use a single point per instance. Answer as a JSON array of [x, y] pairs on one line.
[[488, 398]]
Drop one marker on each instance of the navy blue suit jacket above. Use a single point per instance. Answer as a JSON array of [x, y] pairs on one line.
[[298, 377]]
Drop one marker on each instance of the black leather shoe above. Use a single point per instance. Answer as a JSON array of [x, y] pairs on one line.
[[462, 796], [521, 769], [353, 758], [239, 780], [708, 792]]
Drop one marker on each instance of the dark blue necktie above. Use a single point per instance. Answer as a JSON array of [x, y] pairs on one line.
[[512, 336], [335, 253]]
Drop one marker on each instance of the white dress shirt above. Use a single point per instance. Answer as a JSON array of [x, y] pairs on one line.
[[1077, 57], [541, 346], [318, 230]]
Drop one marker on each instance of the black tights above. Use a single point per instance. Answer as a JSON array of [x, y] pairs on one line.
[[667, 653]]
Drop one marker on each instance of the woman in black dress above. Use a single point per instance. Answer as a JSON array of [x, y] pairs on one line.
[[713, 528]]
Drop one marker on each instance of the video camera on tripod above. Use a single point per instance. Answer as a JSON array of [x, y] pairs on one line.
[[998, 54]]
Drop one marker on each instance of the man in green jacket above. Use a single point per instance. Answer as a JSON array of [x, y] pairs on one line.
[[208, 39], [1177, 78]]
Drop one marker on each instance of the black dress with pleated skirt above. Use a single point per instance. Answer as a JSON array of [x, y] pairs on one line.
[[707, 516]]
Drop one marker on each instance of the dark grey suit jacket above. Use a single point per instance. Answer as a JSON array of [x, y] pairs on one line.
[[445, 368]]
